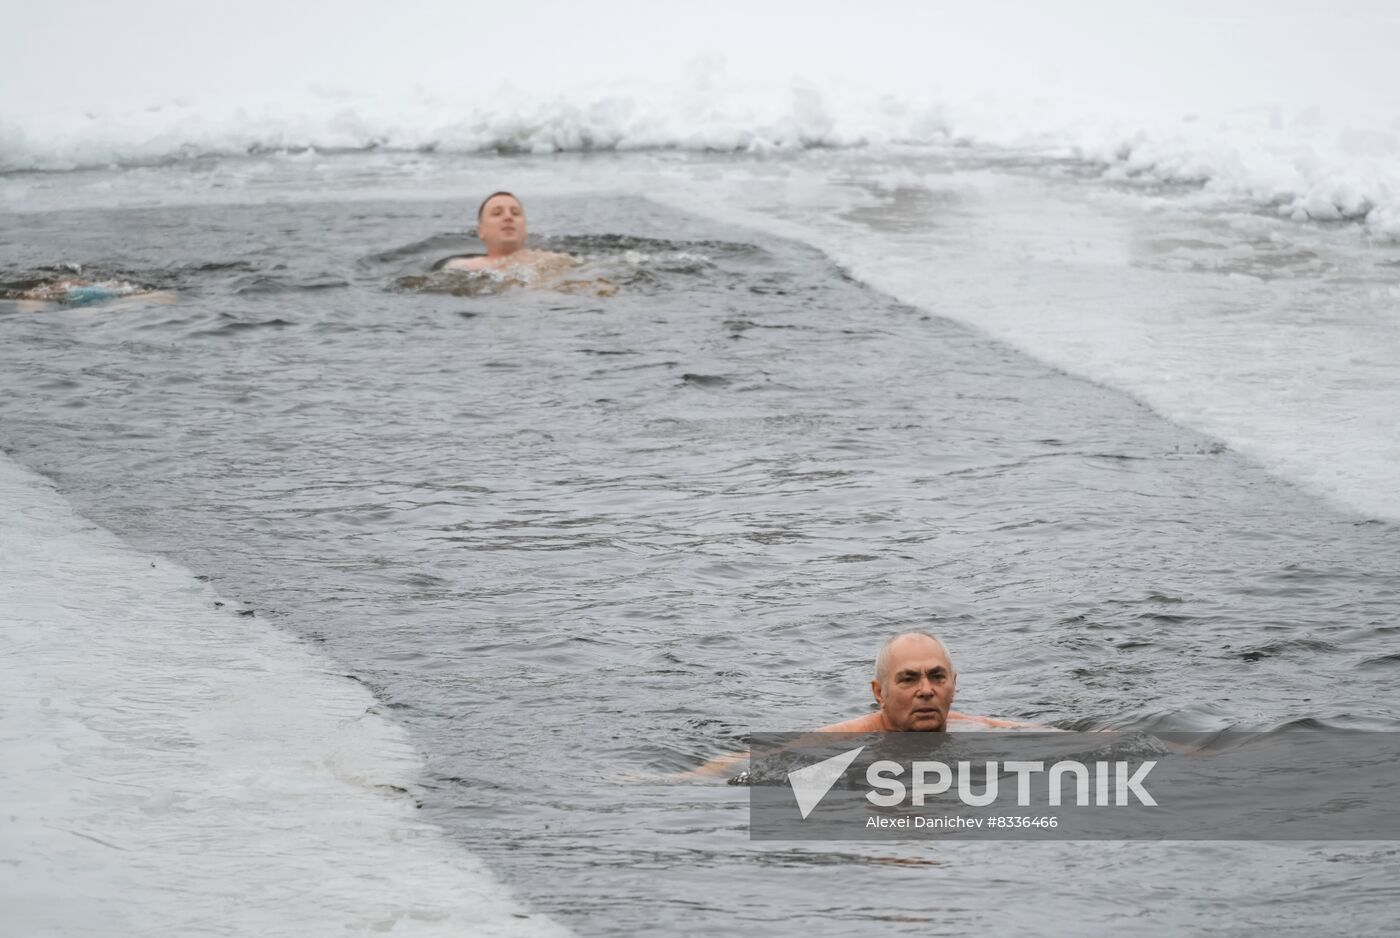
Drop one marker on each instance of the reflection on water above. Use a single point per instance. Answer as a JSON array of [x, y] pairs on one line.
[[572, 540]]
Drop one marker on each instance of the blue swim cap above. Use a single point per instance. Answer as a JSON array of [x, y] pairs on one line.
[[82, 296]]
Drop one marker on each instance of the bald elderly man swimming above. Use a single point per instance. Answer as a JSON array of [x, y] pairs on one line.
[[914, 685]]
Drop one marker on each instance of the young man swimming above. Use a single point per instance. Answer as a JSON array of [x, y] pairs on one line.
[[73, 290], [500, 224]]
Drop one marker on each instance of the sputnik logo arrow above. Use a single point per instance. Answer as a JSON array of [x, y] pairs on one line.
[[811, 784]]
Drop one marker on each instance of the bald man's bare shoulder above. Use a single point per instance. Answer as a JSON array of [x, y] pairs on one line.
[[967, 721], [872, 723]]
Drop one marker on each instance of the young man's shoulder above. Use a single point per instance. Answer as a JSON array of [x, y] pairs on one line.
[[467, 263]]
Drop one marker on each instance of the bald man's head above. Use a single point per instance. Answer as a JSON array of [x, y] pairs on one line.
[[907, 641]]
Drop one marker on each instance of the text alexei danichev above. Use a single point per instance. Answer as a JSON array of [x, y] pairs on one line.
[[955, 822]]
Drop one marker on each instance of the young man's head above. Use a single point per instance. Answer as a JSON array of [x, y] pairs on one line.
[[914, 683], [500, 223]]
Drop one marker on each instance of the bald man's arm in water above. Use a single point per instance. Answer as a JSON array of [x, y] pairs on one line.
[[967, 721], [872, 723]]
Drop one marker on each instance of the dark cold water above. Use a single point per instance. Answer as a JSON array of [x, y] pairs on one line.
[[572, 542]]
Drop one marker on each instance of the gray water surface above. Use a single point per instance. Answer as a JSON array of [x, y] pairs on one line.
[[576, 543]]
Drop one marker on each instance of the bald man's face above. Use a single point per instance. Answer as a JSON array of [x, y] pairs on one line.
[[918, 686]]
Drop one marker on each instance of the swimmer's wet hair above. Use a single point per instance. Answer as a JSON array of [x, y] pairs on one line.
[[481, 208]]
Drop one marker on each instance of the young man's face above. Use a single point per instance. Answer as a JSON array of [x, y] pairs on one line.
[[502, 225], [918, 686]]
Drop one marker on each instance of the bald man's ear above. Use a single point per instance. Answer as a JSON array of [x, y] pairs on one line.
[[876, 690]]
